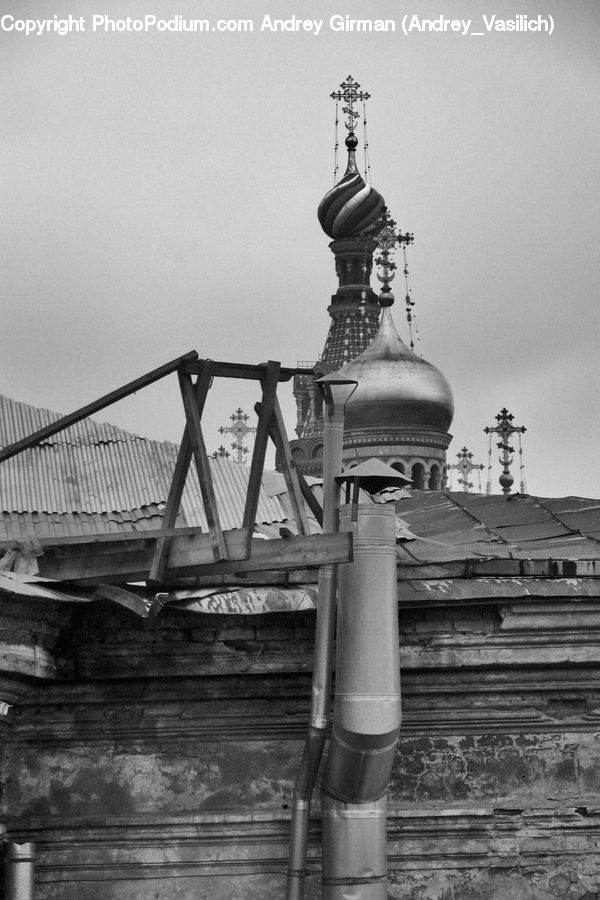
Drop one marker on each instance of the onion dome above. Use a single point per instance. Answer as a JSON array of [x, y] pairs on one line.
[[396, 388], [352, 207]]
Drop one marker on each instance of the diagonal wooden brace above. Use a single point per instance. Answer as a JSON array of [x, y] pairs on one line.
[[184, 457], [269, 389], [194, 429], [278, 435]]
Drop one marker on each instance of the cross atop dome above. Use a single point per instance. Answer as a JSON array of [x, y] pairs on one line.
[[386, 239], [350, 95]]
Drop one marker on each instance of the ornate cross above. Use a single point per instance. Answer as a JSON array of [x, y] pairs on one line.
[[350, 95], [465, 466], [387, 237], [505, 429], [239, 429]]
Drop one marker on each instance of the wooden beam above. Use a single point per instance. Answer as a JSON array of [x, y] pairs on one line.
[[189, 554], [179, 478], [269, 388], [194, 430], [278, 435], [311, 501], [96, 406], [243, 370]]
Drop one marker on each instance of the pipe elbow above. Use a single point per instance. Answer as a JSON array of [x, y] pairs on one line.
[[359, 766]]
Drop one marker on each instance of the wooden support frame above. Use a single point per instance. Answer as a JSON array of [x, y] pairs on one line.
[[311, 501], [241, 370], [157, 569], [278, 435], [207, 489], [269, 387], [119, 559], [171, 552]]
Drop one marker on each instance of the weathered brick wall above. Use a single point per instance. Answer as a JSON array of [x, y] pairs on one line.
[[160, 762]]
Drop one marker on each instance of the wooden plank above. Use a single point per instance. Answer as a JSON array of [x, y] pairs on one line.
[[243, 370], [278, 435], [311, 501], [179, 478], [269, 388], [98, 540], [96, 406], [192, 554], [194, 429]]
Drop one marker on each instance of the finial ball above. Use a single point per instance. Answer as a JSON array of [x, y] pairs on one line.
[[351, 142]]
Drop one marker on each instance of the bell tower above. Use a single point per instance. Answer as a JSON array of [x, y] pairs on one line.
[[350, 214], [403, 406]]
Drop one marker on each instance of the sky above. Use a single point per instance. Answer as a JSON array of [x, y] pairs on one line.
[[159, 193]]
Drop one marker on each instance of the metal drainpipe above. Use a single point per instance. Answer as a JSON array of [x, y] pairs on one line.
[[367, 712], [18, 871], [322, 666]]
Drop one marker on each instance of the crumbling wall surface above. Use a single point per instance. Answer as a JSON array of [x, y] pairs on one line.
[[545, 881], [157, 759]]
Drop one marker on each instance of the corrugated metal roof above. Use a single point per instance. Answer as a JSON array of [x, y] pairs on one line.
[[96, 478], [18, 420], [118, 479], [29, 526]]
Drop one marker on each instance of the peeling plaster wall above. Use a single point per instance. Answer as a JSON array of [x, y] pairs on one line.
[[156, 758]]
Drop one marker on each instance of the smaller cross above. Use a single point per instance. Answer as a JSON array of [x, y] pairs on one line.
[[221, 453], [238, 429], [505, 429], [465, 466], [387, 237]]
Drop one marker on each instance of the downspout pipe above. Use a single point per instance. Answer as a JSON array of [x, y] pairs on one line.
[[333, 438], [367, 711], [18, 870]]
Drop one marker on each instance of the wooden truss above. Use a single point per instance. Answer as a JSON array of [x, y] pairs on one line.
[[170, 552]]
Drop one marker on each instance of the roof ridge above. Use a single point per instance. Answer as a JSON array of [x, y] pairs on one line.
[[488, 528], [590, 537], [19, 419]]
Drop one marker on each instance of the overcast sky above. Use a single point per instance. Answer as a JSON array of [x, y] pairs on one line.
[[159, 194]]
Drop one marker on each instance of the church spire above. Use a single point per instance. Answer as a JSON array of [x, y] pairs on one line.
[[350, 95], [352, 207]]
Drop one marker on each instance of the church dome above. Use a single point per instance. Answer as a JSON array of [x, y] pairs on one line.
[[352, 207], [396, 388]]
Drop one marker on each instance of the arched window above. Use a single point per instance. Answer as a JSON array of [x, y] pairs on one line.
[[435, 480], [418, 476], [398, 466]]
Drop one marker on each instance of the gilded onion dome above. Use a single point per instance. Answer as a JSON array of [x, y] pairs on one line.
[[396, 388], [352, 207]]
